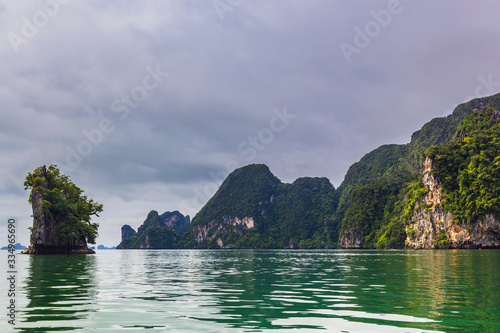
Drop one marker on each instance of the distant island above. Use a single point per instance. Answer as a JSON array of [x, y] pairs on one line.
[[441, 190], [102, 247], [17, 246], [157, 232]]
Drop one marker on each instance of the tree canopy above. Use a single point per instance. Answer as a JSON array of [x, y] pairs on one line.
[[469, 167], [65, 202]]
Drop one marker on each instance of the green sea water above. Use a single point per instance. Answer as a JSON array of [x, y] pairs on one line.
[[257, 291]]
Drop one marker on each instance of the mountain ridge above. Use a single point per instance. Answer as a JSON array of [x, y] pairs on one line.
[[157, 231], [373, 207]]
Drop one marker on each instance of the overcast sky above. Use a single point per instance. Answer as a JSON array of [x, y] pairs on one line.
[[149, 104]]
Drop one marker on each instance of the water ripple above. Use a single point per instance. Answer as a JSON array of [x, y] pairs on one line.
[[262, 291]]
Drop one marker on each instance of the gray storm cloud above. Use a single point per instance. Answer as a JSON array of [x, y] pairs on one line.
[[77, 88]]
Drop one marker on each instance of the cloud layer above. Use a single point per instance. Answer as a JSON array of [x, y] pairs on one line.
[[148, 105]]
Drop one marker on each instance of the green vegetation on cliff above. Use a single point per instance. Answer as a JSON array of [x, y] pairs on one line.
[[65, 203], [243, 192], [469, 167], [384, 166], [284, 215], [304, 210], [372, 215], [373, 206], [157, 232]]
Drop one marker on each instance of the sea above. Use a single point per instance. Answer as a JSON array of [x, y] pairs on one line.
[[253, 291]]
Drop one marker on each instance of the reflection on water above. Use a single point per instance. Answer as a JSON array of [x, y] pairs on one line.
[[309, 291], [60, 291], [263, 291], [460, 286]]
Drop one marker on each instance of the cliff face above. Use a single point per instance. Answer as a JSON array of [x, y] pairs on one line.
[[350, 240], [127, 232], [254, 209], [227, 224], [433, 227], [382, 202], [176, 221], [44, 226], [371, 196]]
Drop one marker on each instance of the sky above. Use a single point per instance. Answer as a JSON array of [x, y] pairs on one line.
[[148, 105]]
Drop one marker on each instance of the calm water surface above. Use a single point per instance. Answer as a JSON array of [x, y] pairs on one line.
[[258, 291]]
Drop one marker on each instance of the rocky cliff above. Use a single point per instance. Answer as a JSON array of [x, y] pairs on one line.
[[385, 200], [156, 232], [127, 232], [431, 226], [225, 225], [176, 221], [254, 209], [350, 240], [45, 225], [378, 193]]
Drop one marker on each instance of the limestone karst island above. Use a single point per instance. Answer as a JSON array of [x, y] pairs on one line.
[[61, 214], [441, 190]]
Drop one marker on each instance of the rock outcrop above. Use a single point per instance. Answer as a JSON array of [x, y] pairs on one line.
[[156, 232], [176, 221], [226, 224], [253, 209], [351, 240], [433, 227], [127, 232], [44, 226]]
